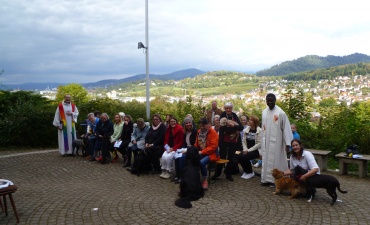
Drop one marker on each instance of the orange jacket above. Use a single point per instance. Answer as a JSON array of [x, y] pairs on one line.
[[211, 145]]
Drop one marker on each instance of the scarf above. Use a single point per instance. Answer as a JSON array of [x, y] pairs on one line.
[[156, 127], [202, 136], [64, 125]]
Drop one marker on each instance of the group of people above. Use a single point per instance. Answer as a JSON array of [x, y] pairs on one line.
[[159, 147]]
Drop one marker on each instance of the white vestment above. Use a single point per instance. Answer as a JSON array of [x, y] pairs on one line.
[[275, 136], [65, 142]]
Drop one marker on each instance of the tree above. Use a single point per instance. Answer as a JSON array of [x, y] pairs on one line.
[[294, 104], [77, 92]]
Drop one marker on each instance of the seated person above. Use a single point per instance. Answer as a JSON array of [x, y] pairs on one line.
[[190, 134], [251, 143], [154, 143], [127, 130], [92, 121], [104, 130], [207, 143], [138, 141], [173, 140], [117, 130]]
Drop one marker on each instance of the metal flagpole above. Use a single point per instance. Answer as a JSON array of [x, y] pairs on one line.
[[147, 61]]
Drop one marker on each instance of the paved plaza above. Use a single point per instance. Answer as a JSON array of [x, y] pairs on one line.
[[69, 190]]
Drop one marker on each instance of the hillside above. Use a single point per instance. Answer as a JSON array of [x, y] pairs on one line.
[[210, 83], [177, 75], [312, 62]]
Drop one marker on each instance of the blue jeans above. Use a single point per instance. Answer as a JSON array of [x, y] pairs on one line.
[[203, 165]]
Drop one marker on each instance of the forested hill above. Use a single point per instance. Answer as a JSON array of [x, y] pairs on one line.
[[331, 73], [312, 62]]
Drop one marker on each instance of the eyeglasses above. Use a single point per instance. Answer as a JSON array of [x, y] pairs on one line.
[[155, 119]]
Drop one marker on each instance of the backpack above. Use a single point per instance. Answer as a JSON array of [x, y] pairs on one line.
[[352, 149]]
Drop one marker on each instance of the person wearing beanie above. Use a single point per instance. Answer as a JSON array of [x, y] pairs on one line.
[[190, 133]]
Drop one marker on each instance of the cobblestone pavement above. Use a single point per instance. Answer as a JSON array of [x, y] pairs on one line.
[[69, 190]]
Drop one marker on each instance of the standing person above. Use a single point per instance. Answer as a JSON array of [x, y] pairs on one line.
[[216, 123], [207, 143], [228, 140], [251, 142], [173, 140], [277, 136], [65, 119], [167, 122], [294, 131], [154, 142], [212, 112]]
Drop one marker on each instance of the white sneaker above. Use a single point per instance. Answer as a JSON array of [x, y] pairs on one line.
[[243, 176], [166, 175], [257, 165], [162, 174], [248, 175]]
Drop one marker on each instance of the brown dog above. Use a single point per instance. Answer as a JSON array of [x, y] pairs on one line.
[[285, 183]]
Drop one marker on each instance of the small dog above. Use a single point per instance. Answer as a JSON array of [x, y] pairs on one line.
[[285, 183], [77, 145], [190, 184], [328, 182]]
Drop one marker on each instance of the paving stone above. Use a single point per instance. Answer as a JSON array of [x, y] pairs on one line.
[[69, 190]]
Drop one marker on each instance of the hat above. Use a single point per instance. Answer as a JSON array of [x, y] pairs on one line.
[[203, 121], [188, 120], [140, 122]]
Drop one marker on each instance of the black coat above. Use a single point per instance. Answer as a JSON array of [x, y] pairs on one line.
[[104, 129]]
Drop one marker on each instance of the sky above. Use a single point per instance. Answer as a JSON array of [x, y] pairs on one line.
[[82, 41]]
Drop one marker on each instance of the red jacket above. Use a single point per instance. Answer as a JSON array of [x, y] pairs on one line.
[[211, 145], [178, 136]]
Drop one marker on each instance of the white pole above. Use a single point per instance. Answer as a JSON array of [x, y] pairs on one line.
[[147, 61]]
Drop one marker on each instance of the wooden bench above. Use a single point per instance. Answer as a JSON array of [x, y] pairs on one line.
[[321, 157], [361, 162], [214, 166]]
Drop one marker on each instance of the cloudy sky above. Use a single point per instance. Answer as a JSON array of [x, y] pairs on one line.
[[86, 41]]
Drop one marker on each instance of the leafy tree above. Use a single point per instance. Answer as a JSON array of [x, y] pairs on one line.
[[77, 92], [294, 104]]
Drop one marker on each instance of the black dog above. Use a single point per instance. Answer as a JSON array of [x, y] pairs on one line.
[[77, 145], [141, 162], [328, 182], [190, 185]]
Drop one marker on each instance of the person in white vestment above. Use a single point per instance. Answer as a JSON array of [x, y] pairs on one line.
[[276, 139], [64, 120]]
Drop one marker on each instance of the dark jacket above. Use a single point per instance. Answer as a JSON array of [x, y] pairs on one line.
[[156, 137], [104, 129], [224, 130], [127, 130]]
